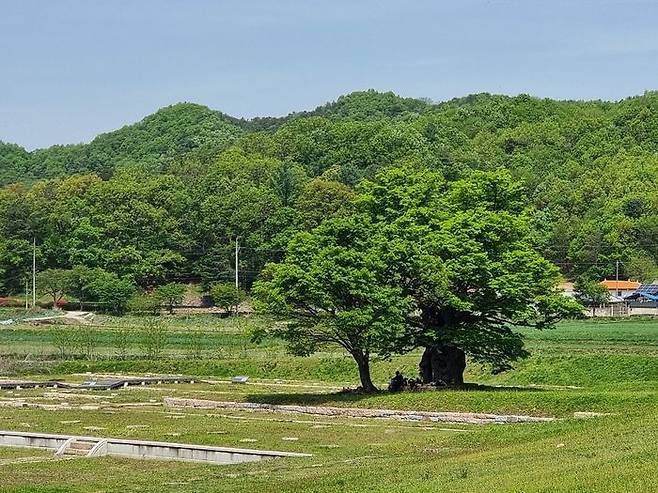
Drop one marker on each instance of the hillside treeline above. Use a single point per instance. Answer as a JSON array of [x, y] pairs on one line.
[[164, 199]]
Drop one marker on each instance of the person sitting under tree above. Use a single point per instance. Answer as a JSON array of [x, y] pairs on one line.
[[397, 383]]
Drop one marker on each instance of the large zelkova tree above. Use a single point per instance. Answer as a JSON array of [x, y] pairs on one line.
[[333, 288], [420, 263], [464, 252]]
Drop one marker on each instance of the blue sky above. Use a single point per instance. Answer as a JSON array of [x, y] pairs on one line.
[[70, 69]]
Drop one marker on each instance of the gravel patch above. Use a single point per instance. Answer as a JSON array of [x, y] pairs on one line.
[[440, 416]]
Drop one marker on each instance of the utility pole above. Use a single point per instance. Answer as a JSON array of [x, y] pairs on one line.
[[27, 305], [617, 278], [237, 253], [34, 272], [237, 278]]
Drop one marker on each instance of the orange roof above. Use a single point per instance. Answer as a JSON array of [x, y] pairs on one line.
[[612, 284]]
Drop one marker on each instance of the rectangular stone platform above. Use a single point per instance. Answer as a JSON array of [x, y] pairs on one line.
[[20, 384], [144, 449], [115, 383]]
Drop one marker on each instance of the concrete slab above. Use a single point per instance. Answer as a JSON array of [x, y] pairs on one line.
[[21, 384], [144, 449], [117, 383]]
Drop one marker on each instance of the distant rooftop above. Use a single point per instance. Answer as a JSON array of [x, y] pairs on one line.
[[613, 284]]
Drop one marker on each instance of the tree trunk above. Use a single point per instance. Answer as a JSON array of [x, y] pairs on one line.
[[363, 362], [443, 364]]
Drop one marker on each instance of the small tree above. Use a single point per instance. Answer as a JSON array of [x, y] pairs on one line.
[[145, 303], [227, 297], [79, 282], [286, 181], [62, 339], [154, 338], [321, 199], [113, 291], [121, 340], [54, 283], [591, 293], [88, 341], [641, 267], [171, 294]]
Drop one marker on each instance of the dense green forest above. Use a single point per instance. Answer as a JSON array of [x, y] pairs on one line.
[[164, 199]]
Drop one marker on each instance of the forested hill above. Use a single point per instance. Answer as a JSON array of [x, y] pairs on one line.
[[176, 132], [164, 198]]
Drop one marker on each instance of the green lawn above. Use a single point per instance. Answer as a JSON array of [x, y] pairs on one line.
[[597, 454], [607, 367]]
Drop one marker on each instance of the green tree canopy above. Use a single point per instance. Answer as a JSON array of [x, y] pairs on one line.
[[171, 294], [321, 199], [421, 262], [165, 197], [53, 282], [113, 291], [227, 297], [334, 287], [464, 252], [591, 292], [80, 282]]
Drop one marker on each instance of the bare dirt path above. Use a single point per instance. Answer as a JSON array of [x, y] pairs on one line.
[[70, 317]]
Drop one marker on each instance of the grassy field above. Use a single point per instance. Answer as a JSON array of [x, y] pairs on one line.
[[606, 367]]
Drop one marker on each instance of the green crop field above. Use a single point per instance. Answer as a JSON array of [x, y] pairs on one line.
[[606, 367]]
